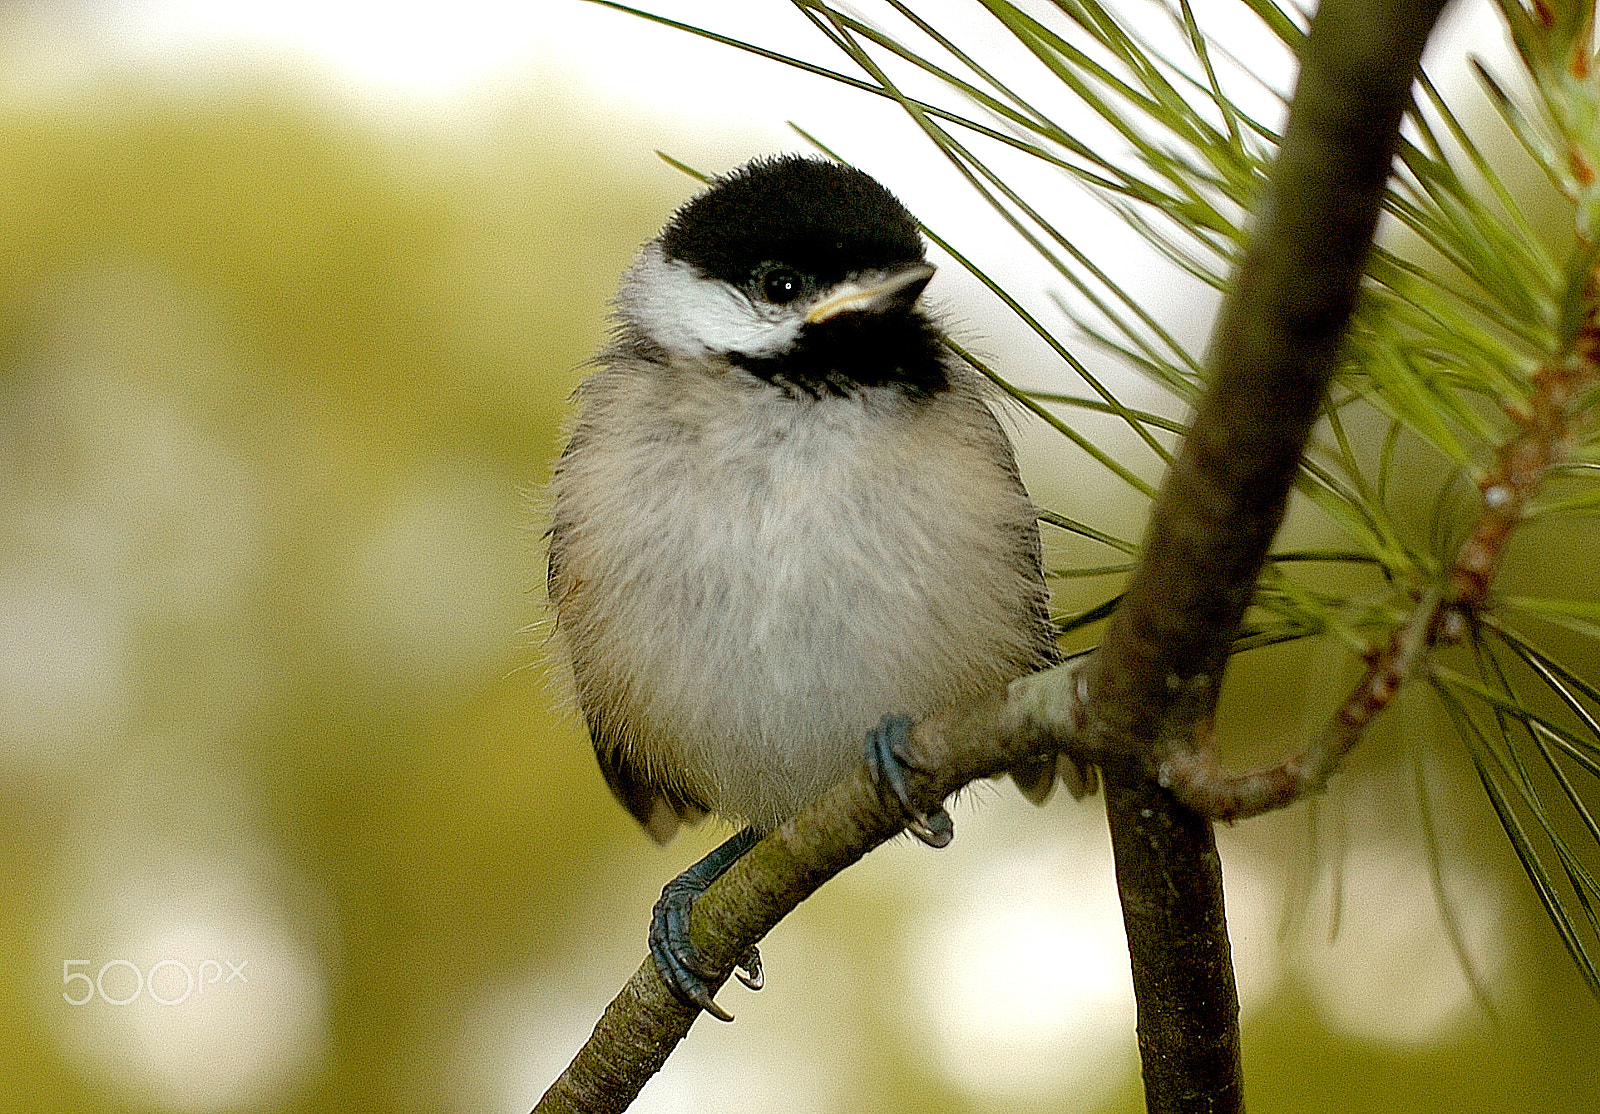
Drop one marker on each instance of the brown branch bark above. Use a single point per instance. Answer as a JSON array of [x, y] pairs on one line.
[[645, 1021]]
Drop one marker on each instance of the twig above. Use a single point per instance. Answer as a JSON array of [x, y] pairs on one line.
[[1541, 441]]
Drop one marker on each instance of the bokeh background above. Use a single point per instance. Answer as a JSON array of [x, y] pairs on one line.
[[293, 818]]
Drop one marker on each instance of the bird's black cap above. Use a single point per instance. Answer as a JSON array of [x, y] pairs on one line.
[[820, 217]]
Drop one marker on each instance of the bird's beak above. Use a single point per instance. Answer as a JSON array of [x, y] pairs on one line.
[[897, 288]]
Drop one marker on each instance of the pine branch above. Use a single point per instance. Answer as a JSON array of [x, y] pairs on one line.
[[1149, 692]]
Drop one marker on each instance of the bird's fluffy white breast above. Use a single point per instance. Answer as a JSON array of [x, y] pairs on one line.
[[763, 577], [682, 310]]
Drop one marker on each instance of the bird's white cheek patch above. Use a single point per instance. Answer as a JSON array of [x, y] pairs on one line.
[[682, 310]]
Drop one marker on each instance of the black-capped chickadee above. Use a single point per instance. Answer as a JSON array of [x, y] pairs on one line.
[[787, 523]]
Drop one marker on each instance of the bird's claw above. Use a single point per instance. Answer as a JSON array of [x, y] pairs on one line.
[[748, 970], [888, 759], [680, 964]]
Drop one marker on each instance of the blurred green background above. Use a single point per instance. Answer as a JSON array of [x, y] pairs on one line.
[[293, 817]]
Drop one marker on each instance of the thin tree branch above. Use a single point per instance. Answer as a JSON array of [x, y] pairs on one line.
[[645, 1021]]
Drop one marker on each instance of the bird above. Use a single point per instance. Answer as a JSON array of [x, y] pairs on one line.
[[787, 524]]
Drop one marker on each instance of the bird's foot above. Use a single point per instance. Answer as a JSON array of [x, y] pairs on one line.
[[889, 760], [679, 962]]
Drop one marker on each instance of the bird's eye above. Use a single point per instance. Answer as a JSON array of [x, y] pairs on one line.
[[780, 286]]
